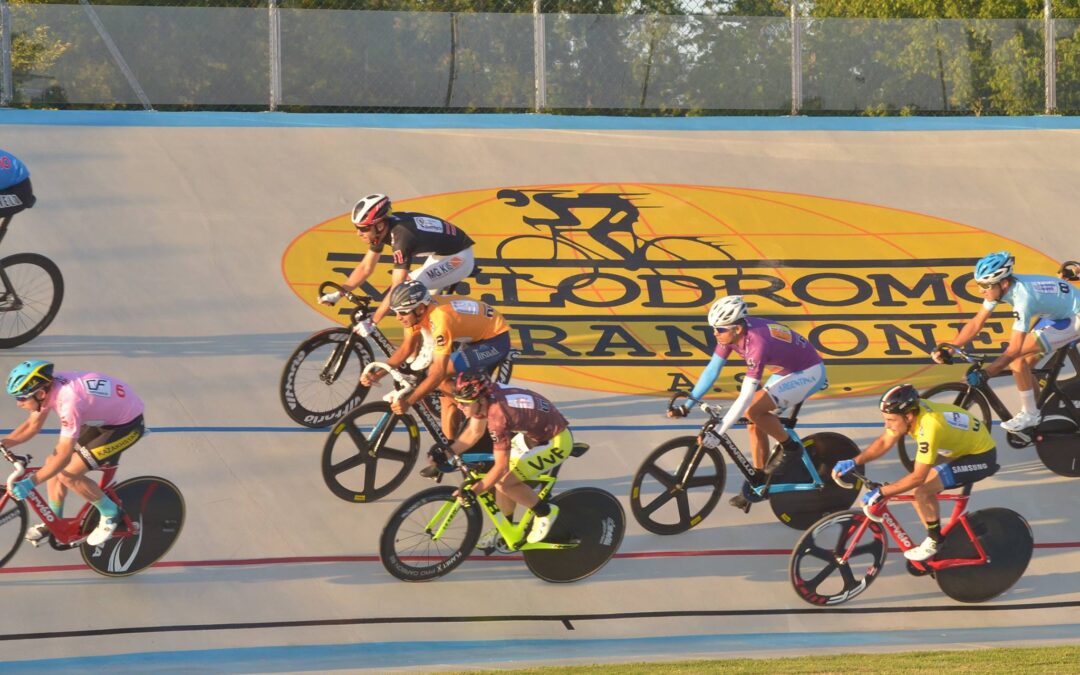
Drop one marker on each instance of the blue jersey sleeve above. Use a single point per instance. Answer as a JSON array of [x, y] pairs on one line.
[[707, 378]]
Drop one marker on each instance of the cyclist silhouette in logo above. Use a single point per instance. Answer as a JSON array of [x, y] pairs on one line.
[[621, 215]]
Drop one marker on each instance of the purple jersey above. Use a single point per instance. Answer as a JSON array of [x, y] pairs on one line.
[[768, 343]]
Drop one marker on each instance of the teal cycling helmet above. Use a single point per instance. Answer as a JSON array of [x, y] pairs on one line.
[[29, 376], [994, 267]]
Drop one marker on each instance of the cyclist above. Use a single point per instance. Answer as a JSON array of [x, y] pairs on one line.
[[482, 332], [100, 417], [1032, 296], [954, 449], [529, 437], [448, 249], [761, 343], [16, 193]]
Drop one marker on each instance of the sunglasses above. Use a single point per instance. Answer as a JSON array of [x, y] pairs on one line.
[[465, 401], [367, 228], [404, 313], [985, 287], [726, 329], [23, 399]]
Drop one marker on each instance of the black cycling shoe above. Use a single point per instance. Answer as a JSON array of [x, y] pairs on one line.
[[430, 471], [781, 460], [741, 502]]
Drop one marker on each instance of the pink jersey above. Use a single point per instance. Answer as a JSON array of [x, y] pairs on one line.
[[768, 343], [90, 399]]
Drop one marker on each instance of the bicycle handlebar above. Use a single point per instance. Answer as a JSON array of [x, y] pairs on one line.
[[18, 461], [948, 350], [710, 409], [402, 384], [1069, 270], [860, 476], [349, 295]]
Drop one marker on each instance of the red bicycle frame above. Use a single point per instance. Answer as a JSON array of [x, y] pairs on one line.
[[904, 541], [66, 530]]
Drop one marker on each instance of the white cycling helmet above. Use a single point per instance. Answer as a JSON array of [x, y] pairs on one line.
[[370, 210], [727, 311]]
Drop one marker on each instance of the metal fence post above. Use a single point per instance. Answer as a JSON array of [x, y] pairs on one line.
[[1050, 56], [796, 59], [539, 59], [114, 51], [7, 93], [275, 54]]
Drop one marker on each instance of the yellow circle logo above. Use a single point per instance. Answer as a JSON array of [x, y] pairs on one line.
[[607, 286]]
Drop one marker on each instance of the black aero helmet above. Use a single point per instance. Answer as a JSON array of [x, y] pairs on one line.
[[409, 295], [899, 400]]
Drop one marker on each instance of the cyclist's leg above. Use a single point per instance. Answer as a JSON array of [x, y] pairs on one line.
[[100, 450], [528, 463], [439, 272], [957, 473], [781, 393]]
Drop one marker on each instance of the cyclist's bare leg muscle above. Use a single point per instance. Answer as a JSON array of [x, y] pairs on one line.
[[73, 476], [926, 503], [763, 424], [1030, 353], [516, 492]]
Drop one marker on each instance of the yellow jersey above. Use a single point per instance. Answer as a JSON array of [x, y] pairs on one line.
[[947, 431]]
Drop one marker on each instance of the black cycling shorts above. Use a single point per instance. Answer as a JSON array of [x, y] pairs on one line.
[[101, 446], [15, 198], [968, 469]]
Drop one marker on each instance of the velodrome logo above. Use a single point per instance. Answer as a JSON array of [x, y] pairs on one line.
[[607, 285]]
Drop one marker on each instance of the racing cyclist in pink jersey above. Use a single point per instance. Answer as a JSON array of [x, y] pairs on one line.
[[761, 343], [529, 437], [100, 417]]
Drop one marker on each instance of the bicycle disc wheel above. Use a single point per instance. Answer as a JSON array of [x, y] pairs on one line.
[[369, 453], [156, 509], [407, 547], [1057, 438], [659, 503], [801, 509], [12, 528], [956, 393], [815, 569], [588, 517], [321, 380], [1005, 536], [30, 299]]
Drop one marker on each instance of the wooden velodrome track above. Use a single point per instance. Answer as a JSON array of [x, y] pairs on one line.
[[170, 241]]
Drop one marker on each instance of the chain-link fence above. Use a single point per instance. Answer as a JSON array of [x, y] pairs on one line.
[[517, 55]]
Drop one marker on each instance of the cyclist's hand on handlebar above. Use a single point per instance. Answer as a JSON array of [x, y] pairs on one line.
[[372, 376], [330, 298], [873, 497], [843, 467], [22, 488], [400, 405], [939, 356], [464, 495], [977, 377], [364, 328], [678, 411]]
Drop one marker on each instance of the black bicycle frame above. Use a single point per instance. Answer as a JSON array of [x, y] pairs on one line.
[[1047, 377]]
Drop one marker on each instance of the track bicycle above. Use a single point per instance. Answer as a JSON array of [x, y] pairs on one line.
[[152, 515], [321, 379], [681, 481], [1056, 438], [31, 290], [433, 532], [370, 451], [982, 555]]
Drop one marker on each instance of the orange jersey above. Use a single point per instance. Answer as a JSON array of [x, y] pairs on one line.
[[456, 318]]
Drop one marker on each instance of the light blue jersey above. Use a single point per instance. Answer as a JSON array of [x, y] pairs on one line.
[[1035, 296], [12, 171]]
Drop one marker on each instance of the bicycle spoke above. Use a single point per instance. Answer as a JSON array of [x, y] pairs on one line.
[[357, 436], [821, 553], [821, 576], [683, 500], [661, 476], [701, 481], [847, 576], [865, 548], [393, 454], [369, 477], [655, 504], [350, 463]]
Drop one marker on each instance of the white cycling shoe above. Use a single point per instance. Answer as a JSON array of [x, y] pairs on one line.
[[492, 542], [922, 552], [542, 526], [37, 534], [104, 530], [1023, 420]]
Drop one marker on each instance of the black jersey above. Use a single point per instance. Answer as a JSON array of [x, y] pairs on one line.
[[413, 234]]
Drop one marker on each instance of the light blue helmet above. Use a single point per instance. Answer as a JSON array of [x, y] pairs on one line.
[[28, 377], [994, 267]]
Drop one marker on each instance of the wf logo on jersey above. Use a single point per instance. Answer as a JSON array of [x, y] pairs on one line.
[[607, 286]]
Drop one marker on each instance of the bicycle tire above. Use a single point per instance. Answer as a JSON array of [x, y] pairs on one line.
[[406, 538], [12, 527], [1057, 438], [649, 503], [39, 313], [799, 509], [594, 520], [949, 392], [359, 461], [311, 401], [1007, 540], [156, 507], [813, 561]]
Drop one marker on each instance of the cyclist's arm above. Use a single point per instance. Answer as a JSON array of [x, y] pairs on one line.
[[362, 271], [746, 395], [909, 482], [496, 472], [879, 447], [436, 374], [396, 279], [469, 435], [408, 344], [27, 430], [1016, 343], [973, 327], [706, 379], [56, 461]]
